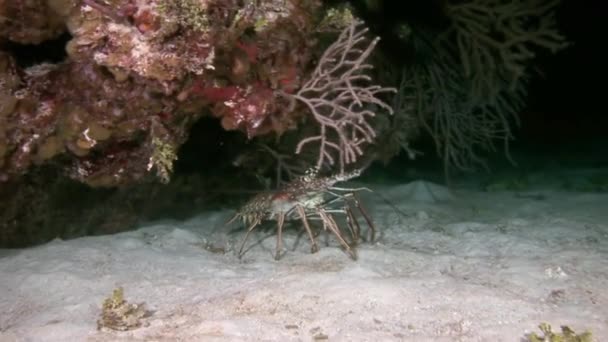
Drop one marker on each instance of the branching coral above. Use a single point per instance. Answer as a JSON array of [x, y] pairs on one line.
[[397, 131], [468, 94], [496, 39], [459, 125], [342, 100]]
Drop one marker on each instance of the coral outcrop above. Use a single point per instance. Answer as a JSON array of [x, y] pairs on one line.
[[139, 73]]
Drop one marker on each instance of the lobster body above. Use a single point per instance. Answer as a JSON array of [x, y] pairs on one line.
[[307, 197]]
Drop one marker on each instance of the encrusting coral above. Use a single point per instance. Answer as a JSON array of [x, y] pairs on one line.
[[139, 74], [33, 21]]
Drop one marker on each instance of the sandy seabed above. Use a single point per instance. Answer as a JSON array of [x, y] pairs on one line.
[[458, 265]]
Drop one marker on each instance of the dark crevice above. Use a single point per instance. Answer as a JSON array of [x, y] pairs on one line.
[[50, 51]]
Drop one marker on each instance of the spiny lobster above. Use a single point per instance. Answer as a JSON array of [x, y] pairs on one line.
[[308, 197]]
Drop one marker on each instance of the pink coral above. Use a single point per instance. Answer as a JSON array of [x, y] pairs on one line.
[[249, 111]]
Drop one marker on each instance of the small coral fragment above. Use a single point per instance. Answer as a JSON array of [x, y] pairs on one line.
[[189, 13], [162, 158], [336, 19], [567, 335], [118, 314]]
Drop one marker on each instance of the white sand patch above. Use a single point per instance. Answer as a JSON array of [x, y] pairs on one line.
[[458, 266]]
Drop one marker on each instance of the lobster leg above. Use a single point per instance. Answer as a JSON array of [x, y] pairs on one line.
[[249, 230], [280, 223], [329, 222], [366, 217], [313, 244], [353, 225]]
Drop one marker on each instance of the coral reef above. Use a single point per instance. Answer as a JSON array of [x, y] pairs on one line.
[[33, 21], [139, 74]]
